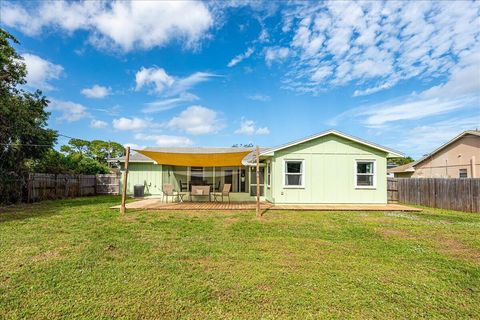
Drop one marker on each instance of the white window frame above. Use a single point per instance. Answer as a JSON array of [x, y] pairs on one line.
[[285, 186], [374, 186], [466, 173]]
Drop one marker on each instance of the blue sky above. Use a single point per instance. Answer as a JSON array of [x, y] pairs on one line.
[[402, 74]]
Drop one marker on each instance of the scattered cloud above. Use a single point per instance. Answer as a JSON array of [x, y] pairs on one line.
[[429, 137], [197, 120], [124, 25], [248, 127], [167, 104], [274, 54], [111, 111], [259, 97], [133, 124], [96, 92], [98, 124], [160, 82], [69, 111], [237, 59], [461, 91], [40, 72], [133, 146], [165, 140], [376, 45]]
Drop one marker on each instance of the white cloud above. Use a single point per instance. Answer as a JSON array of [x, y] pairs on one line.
[[429, 137], [461, 91], [40, 72], [418, 109], [273, 54], [98, 124], [237, 59], [167, 104], [259, 97], [133, 124], [69, 111], [133, 147], [248, 127], [377, 44], [197, 120], [162, 83], [263, 131], [121, 24], [165, 140], [96, 92]]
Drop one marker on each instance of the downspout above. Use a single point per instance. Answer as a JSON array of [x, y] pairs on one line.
[[472, 163]]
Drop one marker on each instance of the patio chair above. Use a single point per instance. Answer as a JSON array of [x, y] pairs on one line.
[[198, 191], [167, 191], [183, 186], [225, 193]]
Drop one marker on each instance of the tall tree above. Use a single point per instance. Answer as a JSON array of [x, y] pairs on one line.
[[23, 119]]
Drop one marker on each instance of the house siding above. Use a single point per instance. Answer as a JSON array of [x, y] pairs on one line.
[[147, 174], [329, 172]]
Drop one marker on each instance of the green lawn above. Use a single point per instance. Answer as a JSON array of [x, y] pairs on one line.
[[79, 259]]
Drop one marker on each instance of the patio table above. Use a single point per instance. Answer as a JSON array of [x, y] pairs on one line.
[[181, 195]]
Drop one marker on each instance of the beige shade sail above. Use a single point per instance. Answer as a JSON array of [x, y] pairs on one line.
[[224, 159]]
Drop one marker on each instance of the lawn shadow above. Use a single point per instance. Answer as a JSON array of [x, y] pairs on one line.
[[51, 207]]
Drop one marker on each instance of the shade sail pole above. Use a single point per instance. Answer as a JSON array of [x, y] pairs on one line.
[[257, 153], [124, 186]]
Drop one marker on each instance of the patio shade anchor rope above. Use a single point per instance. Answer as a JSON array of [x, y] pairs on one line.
[[220, 159]]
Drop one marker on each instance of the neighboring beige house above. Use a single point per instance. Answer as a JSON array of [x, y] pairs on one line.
[[458, 158]]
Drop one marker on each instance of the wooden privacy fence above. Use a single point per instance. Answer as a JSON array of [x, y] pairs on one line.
[[43, 186], [453, 194]]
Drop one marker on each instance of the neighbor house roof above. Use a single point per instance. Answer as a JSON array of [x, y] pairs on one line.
[[134, 157], [391, 153], [403, 168], [461, 135]]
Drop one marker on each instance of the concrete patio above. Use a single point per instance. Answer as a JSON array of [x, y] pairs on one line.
[[157, 204]]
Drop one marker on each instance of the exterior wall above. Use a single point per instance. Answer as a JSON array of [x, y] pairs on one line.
[[462, 154], [147, 174], [329, 173]]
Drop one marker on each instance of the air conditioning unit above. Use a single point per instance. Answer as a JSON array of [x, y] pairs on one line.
[[138, 191]]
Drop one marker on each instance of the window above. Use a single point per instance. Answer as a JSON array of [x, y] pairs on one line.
[[365, 174], [294, 173], [462, 173], [269, 172], [253, 181]]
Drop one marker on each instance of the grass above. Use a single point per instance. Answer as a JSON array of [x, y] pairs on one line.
[[79, 259]]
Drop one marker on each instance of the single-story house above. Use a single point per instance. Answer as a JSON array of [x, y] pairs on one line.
[[329, 167], [458, 158]]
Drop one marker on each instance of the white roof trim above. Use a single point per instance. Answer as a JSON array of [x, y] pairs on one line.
[[391, 152]]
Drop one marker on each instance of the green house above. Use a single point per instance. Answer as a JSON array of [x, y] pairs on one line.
[[327, 168]]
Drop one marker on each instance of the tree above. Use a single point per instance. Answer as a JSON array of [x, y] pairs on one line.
[[23, 119], [102, 150], [97, 149], [401, 161]]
